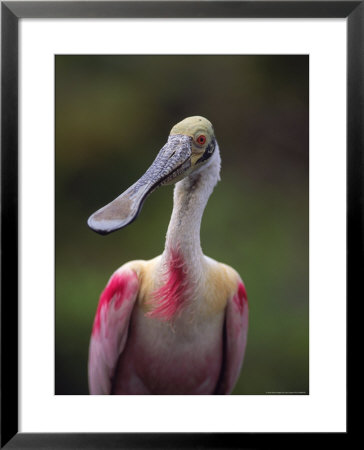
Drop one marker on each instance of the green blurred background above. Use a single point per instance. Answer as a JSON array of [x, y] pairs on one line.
[[113, 114]]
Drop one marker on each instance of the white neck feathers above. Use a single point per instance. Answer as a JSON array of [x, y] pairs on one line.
[[189, 201]]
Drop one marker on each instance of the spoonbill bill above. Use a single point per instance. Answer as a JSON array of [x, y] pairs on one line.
[[176, 324]]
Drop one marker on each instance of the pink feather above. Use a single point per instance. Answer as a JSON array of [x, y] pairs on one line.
[[119, 288], [236, 331], [110, 329], [170, 297]]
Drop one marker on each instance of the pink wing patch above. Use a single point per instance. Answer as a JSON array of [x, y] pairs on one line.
[[240, 298], [110, 329], [119, 289], [170, 297], [236, 330]]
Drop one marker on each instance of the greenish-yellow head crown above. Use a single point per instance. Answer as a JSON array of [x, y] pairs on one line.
[[203, 138], [192, 126]]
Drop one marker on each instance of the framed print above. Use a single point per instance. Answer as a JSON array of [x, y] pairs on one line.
[[238, 90], [89, 92]]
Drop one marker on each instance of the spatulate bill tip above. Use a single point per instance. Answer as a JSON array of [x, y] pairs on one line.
[[106, 225], [103, 227], [115, 215]]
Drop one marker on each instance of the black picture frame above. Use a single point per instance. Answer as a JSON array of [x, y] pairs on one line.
[[11, 12]]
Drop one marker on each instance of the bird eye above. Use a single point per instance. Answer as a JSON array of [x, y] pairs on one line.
[[201, 139]]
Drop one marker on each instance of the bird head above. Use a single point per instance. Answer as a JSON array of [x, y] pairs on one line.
[[190, 145]]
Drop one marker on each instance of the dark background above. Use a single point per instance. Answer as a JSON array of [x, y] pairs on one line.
[[113, 114]]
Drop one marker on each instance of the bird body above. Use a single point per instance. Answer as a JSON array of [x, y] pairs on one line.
[[176, 324]]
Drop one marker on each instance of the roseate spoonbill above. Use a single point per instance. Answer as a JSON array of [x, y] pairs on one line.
[[176, 324]]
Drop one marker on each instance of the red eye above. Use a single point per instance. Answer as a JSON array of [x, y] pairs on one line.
[[201, 139]]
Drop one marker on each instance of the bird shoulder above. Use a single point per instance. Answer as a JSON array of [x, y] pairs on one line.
[[220, 284]]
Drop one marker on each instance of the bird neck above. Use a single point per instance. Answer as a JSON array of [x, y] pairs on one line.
[[189, 202], [182, 262]]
